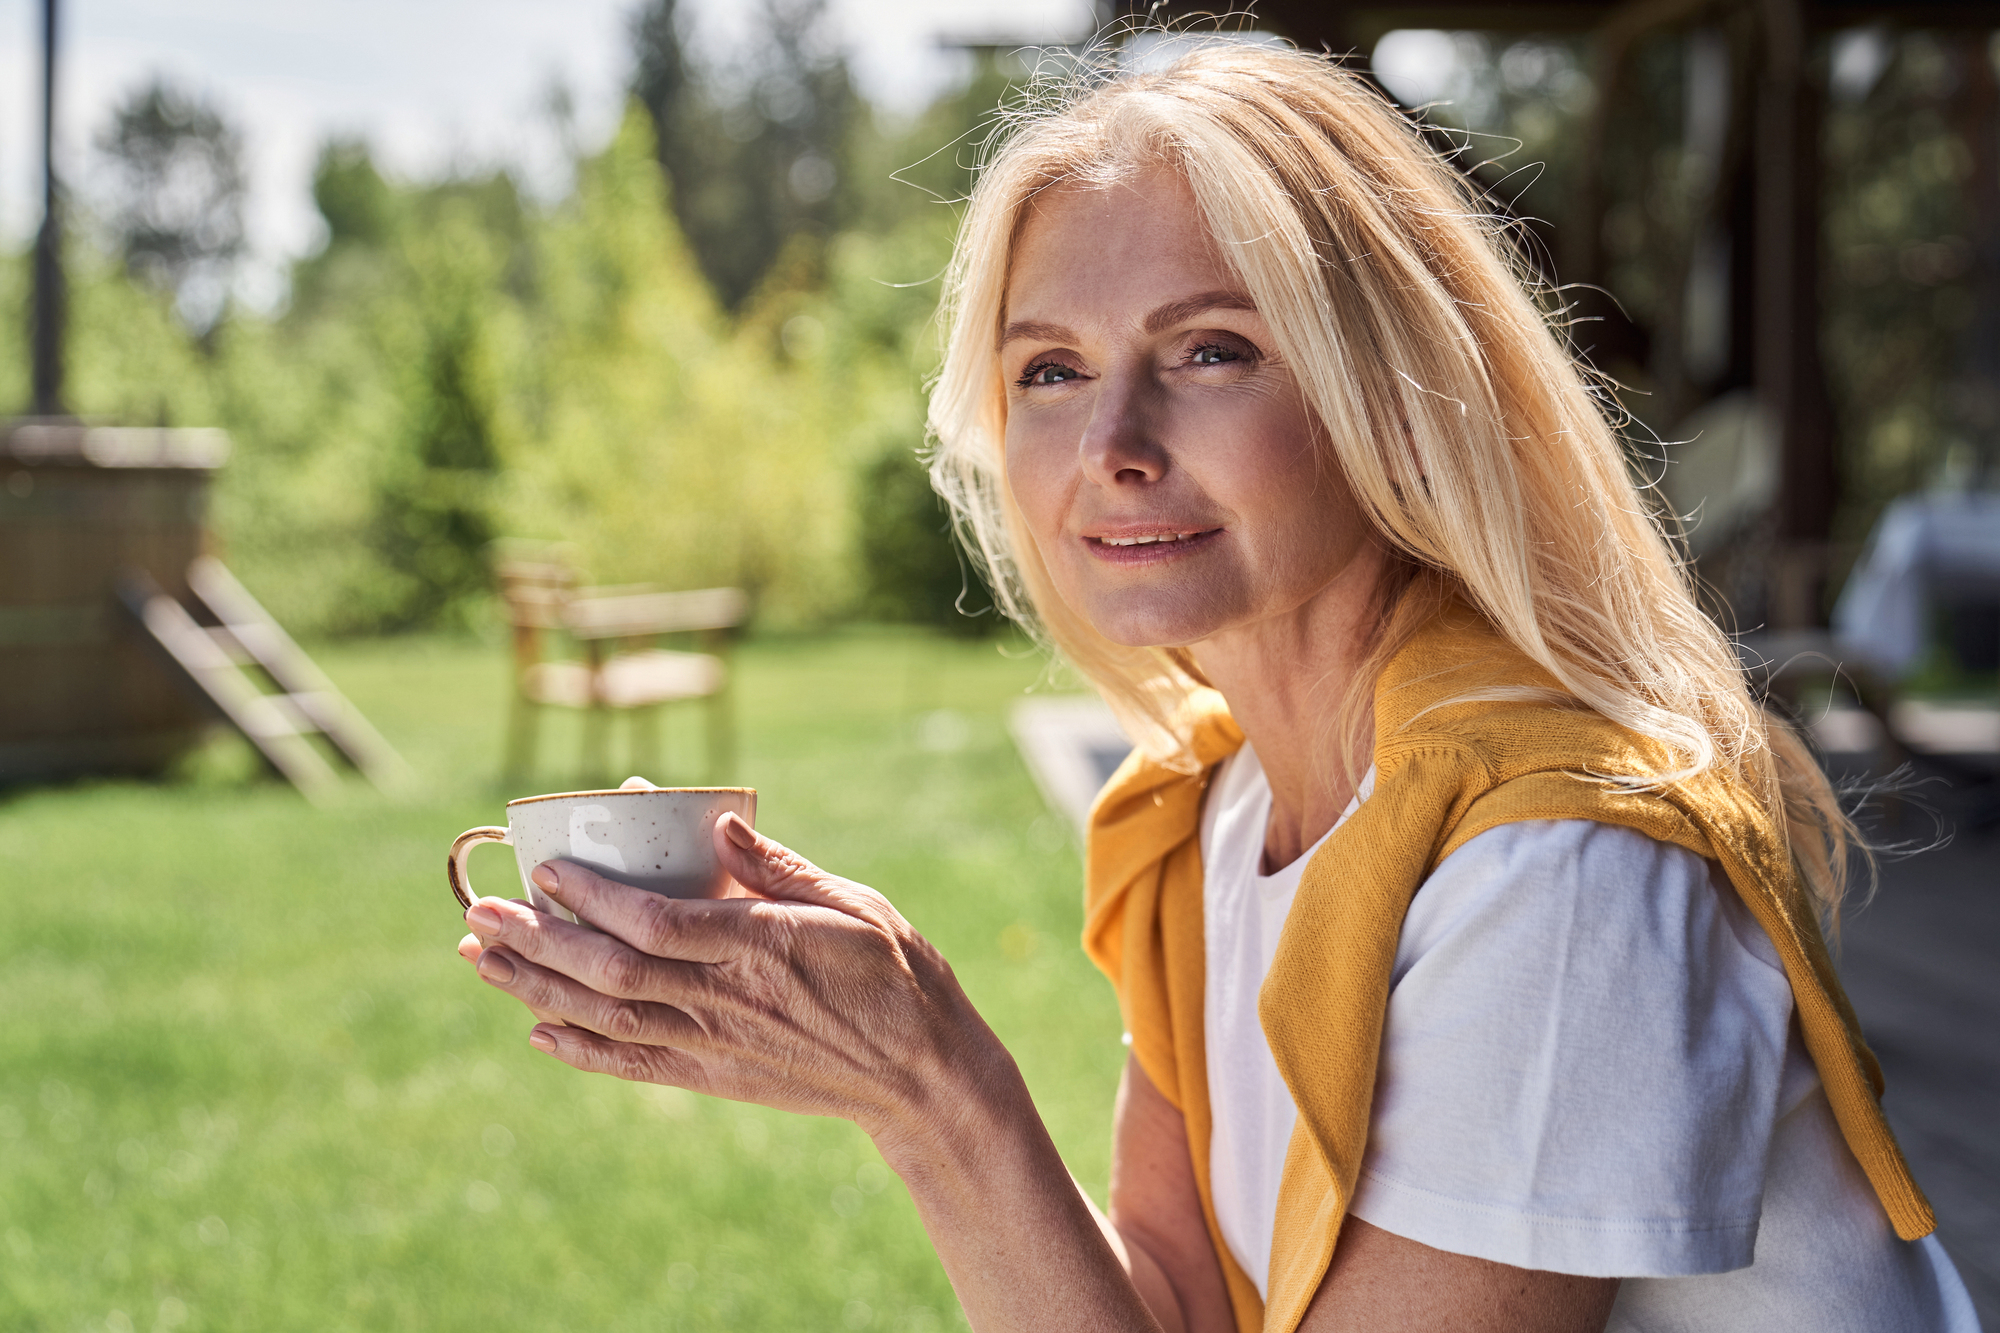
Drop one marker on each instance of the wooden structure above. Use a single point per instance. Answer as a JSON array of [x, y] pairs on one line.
[[81, 507], [619, 667], [1763, 206], [95, 516], [49, 303], [122, 640], [229, 648]]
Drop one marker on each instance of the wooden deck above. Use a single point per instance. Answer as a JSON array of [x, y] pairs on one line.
[[1922, 965]]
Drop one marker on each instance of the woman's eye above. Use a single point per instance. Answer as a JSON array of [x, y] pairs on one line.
[[1046, 372], [1213, 354]]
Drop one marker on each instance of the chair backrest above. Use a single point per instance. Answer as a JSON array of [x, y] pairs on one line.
[[536, 592], [537, 589], [604, 613], [539, 586]]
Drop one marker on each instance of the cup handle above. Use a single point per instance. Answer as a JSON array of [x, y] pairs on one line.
[[461, 851]]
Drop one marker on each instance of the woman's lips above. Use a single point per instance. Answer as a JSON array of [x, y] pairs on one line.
[[1145, 548]]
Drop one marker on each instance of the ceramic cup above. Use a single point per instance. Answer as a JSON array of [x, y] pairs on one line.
[[654, 838]]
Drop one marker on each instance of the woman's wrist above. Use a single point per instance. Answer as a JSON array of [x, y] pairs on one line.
[[952, 1120], [1001, 1209]]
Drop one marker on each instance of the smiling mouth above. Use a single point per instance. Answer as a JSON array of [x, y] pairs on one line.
[[1146, 549], [1152, 538]]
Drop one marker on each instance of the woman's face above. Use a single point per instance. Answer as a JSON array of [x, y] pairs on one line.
[[1158, 448]]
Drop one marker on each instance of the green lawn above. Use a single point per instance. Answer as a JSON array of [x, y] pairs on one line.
[[246, 1083]]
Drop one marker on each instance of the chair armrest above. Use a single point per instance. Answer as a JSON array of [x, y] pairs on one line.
[[639, 615]]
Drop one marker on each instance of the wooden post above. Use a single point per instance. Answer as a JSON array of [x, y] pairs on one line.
[[721, 714], [596, 719], [1606, 333], [50, 299], [1977, 394], [1790, 381], [644, 747], [523, 723]]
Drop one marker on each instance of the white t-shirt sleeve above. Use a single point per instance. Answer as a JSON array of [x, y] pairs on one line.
[[1581, 1061]]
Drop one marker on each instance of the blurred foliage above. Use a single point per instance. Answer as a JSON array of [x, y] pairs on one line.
[[913, 566], [1902, 259], [460, 362], [1902, 277], [176, 195], [756, 152], [704, 363]]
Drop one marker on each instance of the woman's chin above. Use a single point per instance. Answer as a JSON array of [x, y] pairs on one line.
[[1153, 626]]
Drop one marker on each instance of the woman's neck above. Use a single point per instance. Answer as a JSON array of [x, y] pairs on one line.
[[1286, 678]]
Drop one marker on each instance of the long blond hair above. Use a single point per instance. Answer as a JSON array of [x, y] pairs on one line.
[[1463, 424]]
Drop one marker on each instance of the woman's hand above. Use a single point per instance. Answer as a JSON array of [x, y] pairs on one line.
[[814, 995]]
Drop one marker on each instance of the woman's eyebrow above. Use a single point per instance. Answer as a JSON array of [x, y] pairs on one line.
[[1037, 330], [1177, 312]]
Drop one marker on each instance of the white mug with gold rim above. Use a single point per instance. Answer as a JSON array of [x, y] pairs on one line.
[[656, 838]]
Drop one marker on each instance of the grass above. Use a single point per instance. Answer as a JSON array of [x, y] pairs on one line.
[[245, 1082]]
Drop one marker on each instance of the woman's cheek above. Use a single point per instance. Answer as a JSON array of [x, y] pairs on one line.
[[1034, 471]]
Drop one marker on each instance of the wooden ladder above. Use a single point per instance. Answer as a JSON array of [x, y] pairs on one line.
[[219, 658]]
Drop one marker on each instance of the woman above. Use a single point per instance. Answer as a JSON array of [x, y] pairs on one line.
[[1462, 905]]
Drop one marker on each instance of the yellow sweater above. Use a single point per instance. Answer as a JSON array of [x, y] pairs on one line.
[[1442, 776]]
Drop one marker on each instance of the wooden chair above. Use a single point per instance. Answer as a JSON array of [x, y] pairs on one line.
[[621, 668]]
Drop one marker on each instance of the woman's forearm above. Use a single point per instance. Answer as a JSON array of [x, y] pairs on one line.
[[1021, 1243], [1148, 1274], [818, 996]]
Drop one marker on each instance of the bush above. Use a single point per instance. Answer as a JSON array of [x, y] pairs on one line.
[[914, 568]]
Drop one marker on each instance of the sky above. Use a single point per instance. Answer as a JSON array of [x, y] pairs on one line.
[[431, 83]]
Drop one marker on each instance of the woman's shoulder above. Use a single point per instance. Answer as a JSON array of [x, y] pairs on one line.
[[1582, 1058], [1584, 883]]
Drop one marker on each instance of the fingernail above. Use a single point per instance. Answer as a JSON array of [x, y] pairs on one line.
[[496, 967], [541, 1040], [483, 919], [739, 832], [546, 879]]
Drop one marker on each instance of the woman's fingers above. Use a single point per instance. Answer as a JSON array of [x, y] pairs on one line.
[[601, 961], [692, 930], [551, 994], [772, 870], [766, 868], [595, 1054], [813, 995]]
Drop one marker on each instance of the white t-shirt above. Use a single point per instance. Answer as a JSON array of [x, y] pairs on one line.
[[1589, 1065]]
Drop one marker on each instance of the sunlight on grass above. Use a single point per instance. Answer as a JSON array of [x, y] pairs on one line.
[[247, 1084]]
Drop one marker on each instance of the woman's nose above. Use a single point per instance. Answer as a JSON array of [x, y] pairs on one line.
[[1119, 445]]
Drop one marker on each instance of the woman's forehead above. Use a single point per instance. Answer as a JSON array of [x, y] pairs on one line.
[[1088, 243], [1153, 187]]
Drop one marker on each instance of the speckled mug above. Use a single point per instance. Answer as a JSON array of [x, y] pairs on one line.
[[654, 838]]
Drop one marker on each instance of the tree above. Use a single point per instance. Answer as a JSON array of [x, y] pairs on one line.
[[357, 204], [433, 518], [912, 564], [751, 151], [177, 186]]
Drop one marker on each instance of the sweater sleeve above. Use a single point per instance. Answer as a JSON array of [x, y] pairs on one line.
[[1582, 1059]]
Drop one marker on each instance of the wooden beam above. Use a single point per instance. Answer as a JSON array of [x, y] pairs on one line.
[[1789, 379], [50, 317], [1344, 25]]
